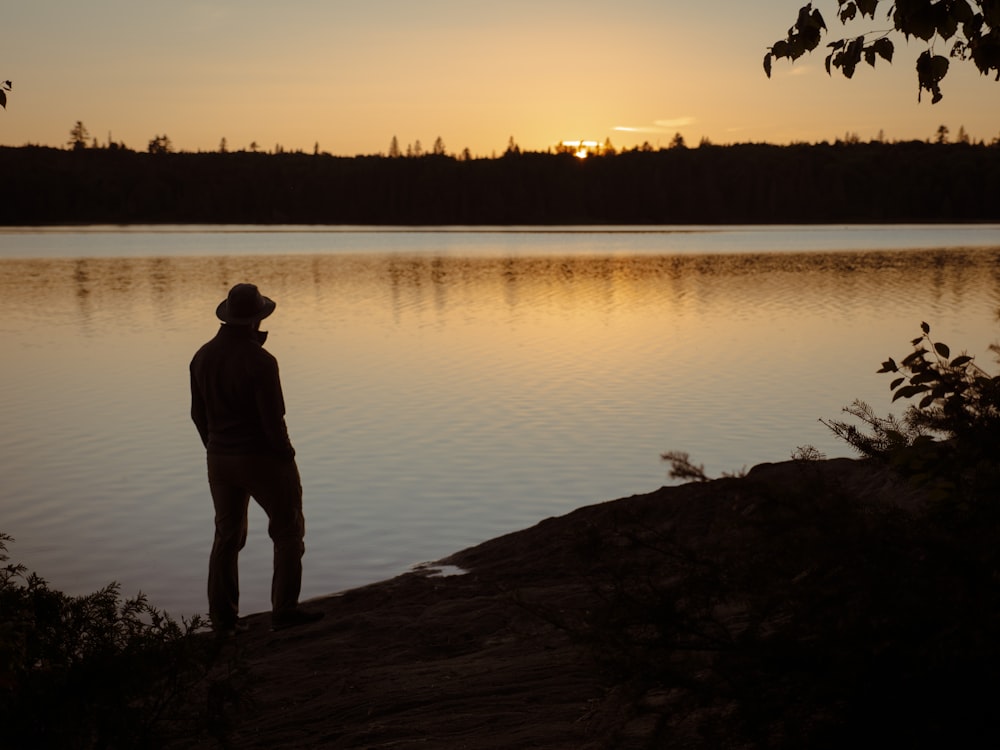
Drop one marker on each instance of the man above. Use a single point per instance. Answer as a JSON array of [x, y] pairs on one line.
[[238, 408]]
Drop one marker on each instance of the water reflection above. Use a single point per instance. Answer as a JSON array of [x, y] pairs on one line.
[[103, 285], [436, 400]]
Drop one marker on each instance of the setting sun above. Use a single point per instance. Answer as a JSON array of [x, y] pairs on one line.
[[582, 149]]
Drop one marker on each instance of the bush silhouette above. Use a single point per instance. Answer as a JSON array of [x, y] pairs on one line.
[[97, 671]]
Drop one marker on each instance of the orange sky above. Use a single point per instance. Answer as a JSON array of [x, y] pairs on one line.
[[351, 75]]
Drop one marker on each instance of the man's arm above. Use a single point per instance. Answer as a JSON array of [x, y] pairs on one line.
[[271, 407], [199, 414]]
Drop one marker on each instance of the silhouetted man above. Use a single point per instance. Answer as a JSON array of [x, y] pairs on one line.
[[239, 410]]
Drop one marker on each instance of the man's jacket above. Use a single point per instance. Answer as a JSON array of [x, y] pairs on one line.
[[236, 399]]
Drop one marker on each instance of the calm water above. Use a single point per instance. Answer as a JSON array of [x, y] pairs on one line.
[[443, 387]]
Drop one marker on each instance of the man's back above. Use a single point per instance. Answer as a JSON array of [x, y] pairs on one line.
[[236, 399]]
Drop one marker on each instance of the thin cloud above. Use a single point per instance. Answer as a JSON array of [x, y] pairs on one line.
[[659, 126], [640, 129], [677, 122]]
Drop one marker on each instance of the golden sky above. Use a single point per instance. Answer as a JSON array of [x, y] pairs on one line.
[[351, 75]]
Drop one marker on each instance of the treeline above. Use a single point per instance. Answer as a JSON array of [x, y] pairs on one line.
[[735, 184]]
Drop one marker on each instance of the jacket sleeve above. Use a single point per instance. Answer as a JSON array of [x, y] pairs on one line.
[[199, 414], [271, 407]]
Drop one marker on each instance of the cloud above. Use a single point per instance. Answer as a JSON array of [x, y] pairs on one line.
[[640, 129], [659, 126], [677, 122]]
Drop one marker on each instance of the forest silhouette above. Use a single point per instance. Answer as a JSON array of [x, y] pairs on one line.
[[842, 182]]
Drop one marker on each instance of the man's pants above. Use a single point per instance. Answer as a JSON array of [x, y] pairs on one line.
[[274, 483]]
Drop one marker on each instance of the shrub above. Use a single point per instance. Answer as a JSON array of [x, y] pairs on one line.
[[949, 437], [95, 671]]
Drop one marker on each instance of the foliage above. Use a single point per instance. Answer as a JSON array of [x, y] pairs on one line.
[[98, 672], [972, 27], [5, 86], [948, 437]]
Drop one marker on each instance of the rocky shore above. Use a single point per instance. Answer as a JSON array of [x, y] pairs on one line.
[[492, 649]]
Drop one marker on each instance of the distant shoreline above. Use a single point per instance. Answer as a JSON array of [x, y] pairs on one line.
[[746, 184]]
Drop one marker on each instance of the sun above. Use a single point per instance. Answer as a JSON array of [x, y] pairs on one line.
[[581, 149]]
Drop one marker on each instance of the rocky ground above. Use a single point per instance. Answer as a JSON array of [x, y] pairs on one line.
[[482, 659]]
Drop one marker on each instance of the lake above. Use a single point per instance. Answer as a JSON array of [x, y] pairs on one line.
[[443, 386]]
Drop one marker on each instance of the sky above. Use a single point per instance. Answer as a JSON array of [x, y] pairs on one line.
[[350, 76]]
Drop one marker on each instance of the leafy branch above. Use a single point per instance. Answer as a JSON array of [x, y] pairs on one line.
[[973, 27], [949, 434], [958, 399]]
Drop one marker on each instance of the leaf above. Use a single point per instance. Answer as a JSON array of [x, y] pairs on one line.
[[905, 392], [817, 19], [884, 48], [889, 366], [810, 20], [947, 26], [961, 11], [927, 401], [931, 69], [918, 21], [3, 99], [867, 7], [767, 64], [960, 361], [896, 383], [925, 328], [810, 26], [942, 350], [852, 56]]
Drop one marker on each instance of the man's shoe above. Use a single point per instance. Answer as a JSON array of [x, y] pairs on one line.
[[294, 618]]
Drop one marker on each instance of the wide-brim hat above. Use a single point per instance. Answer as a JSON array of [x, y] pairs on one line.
[[245, 305]]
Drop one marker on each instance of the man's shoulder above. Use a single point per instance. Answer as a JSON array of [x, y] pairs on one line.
[[227, 347], [267, 357], [206, 348], [200, 353]]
